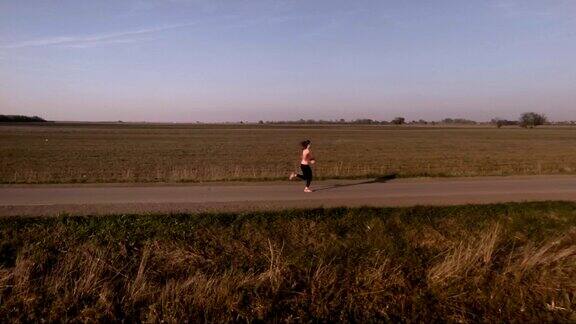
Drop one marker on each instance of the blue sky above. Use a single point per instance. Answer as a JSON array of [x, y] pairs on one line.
[[212, 60]]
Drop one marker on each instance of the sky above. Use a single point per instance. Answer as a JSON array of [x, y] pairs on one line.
[[218, 60]]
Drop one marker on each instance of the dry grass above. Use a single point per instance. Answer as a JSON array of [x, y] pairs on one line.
[[542, 276], [149, 153], [496, 263], [473, 255]]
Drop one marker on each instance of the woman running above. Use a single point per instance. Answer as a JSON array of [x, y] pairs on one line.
[[307, 159]]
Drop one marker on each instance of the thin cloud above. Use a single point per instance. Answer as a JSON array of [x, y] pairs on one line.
[[561, 9], [107, 42], [110, 38], [148, 5]]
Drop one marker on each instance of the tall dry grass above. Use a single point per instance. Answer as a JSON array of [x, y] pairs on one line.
[[513, 262], [538, 276]]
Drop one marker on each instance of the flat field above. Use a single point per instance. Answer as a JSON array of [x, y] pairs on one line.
[[65, 153], [491, 263]]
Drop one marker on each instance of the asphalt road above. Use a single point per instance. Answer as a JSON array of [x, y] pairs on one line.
[[153, 198]]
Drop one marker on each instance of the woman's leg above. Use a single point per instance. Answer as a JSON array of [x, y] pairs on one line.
[[307, 174], [299, 176], [303, 169], [303, 176]]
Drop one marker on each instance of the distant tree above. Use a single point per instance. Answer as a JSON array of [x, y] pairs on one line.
[[398, 121], [460, 121], [364, 121], [20, 119], [499, 122], [532, 119], [261, 122]]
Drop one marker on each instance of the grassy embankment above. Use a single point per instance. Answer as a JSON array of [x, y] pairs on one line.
[[487, 263], [65, 153]]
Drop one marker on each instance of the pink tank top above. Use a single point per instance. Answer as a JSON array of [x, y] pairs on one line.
[[305, 158]]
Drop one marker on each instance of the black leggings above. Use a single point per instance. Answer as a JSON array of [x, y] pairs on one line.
[[306, 174]]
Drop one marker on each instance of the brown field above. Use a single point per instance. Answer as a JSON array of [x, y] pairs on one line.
[[68, 153]]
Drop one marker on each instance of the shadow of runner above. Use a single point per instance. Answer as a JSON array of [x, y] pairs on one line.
[[382, 179]]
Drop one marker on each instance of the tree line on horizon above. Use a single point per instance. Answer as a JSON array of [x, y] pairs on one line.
[[21, 119], [368, 121], [526, 120]]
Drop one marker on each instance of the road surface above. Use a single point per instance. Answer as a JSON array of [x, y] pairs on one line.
[[101, 199]]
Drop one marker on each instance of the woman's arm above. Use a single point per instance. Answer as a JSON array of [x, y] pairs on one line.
[[311, 158]]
